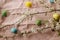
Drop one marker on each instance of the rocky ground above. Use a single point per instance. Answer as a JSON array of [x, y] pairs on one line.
[[16, 9]]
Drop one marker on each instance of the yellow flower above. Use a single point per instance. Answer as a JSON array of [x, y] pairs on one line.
[[28, 4], [56, 16]]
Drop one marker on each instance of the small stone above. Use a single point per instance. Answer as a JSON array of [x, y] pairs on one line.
[[38, 22], [56, 16], [4, 13], [51, 1], [13, 30], [28, 4]]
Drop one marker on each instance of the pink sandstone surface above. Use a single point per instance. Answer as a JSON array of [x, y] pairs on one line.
[[16, 8]]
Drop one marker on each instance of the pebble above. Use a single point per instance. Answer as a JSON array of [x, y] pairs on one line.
[[51, 1], [38, 22], [56, 16], [13, 30], [4, 13], [28, 4]]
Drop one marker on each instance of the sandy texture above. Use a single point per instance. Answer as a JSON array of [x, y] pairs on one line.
[[16, 9]]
